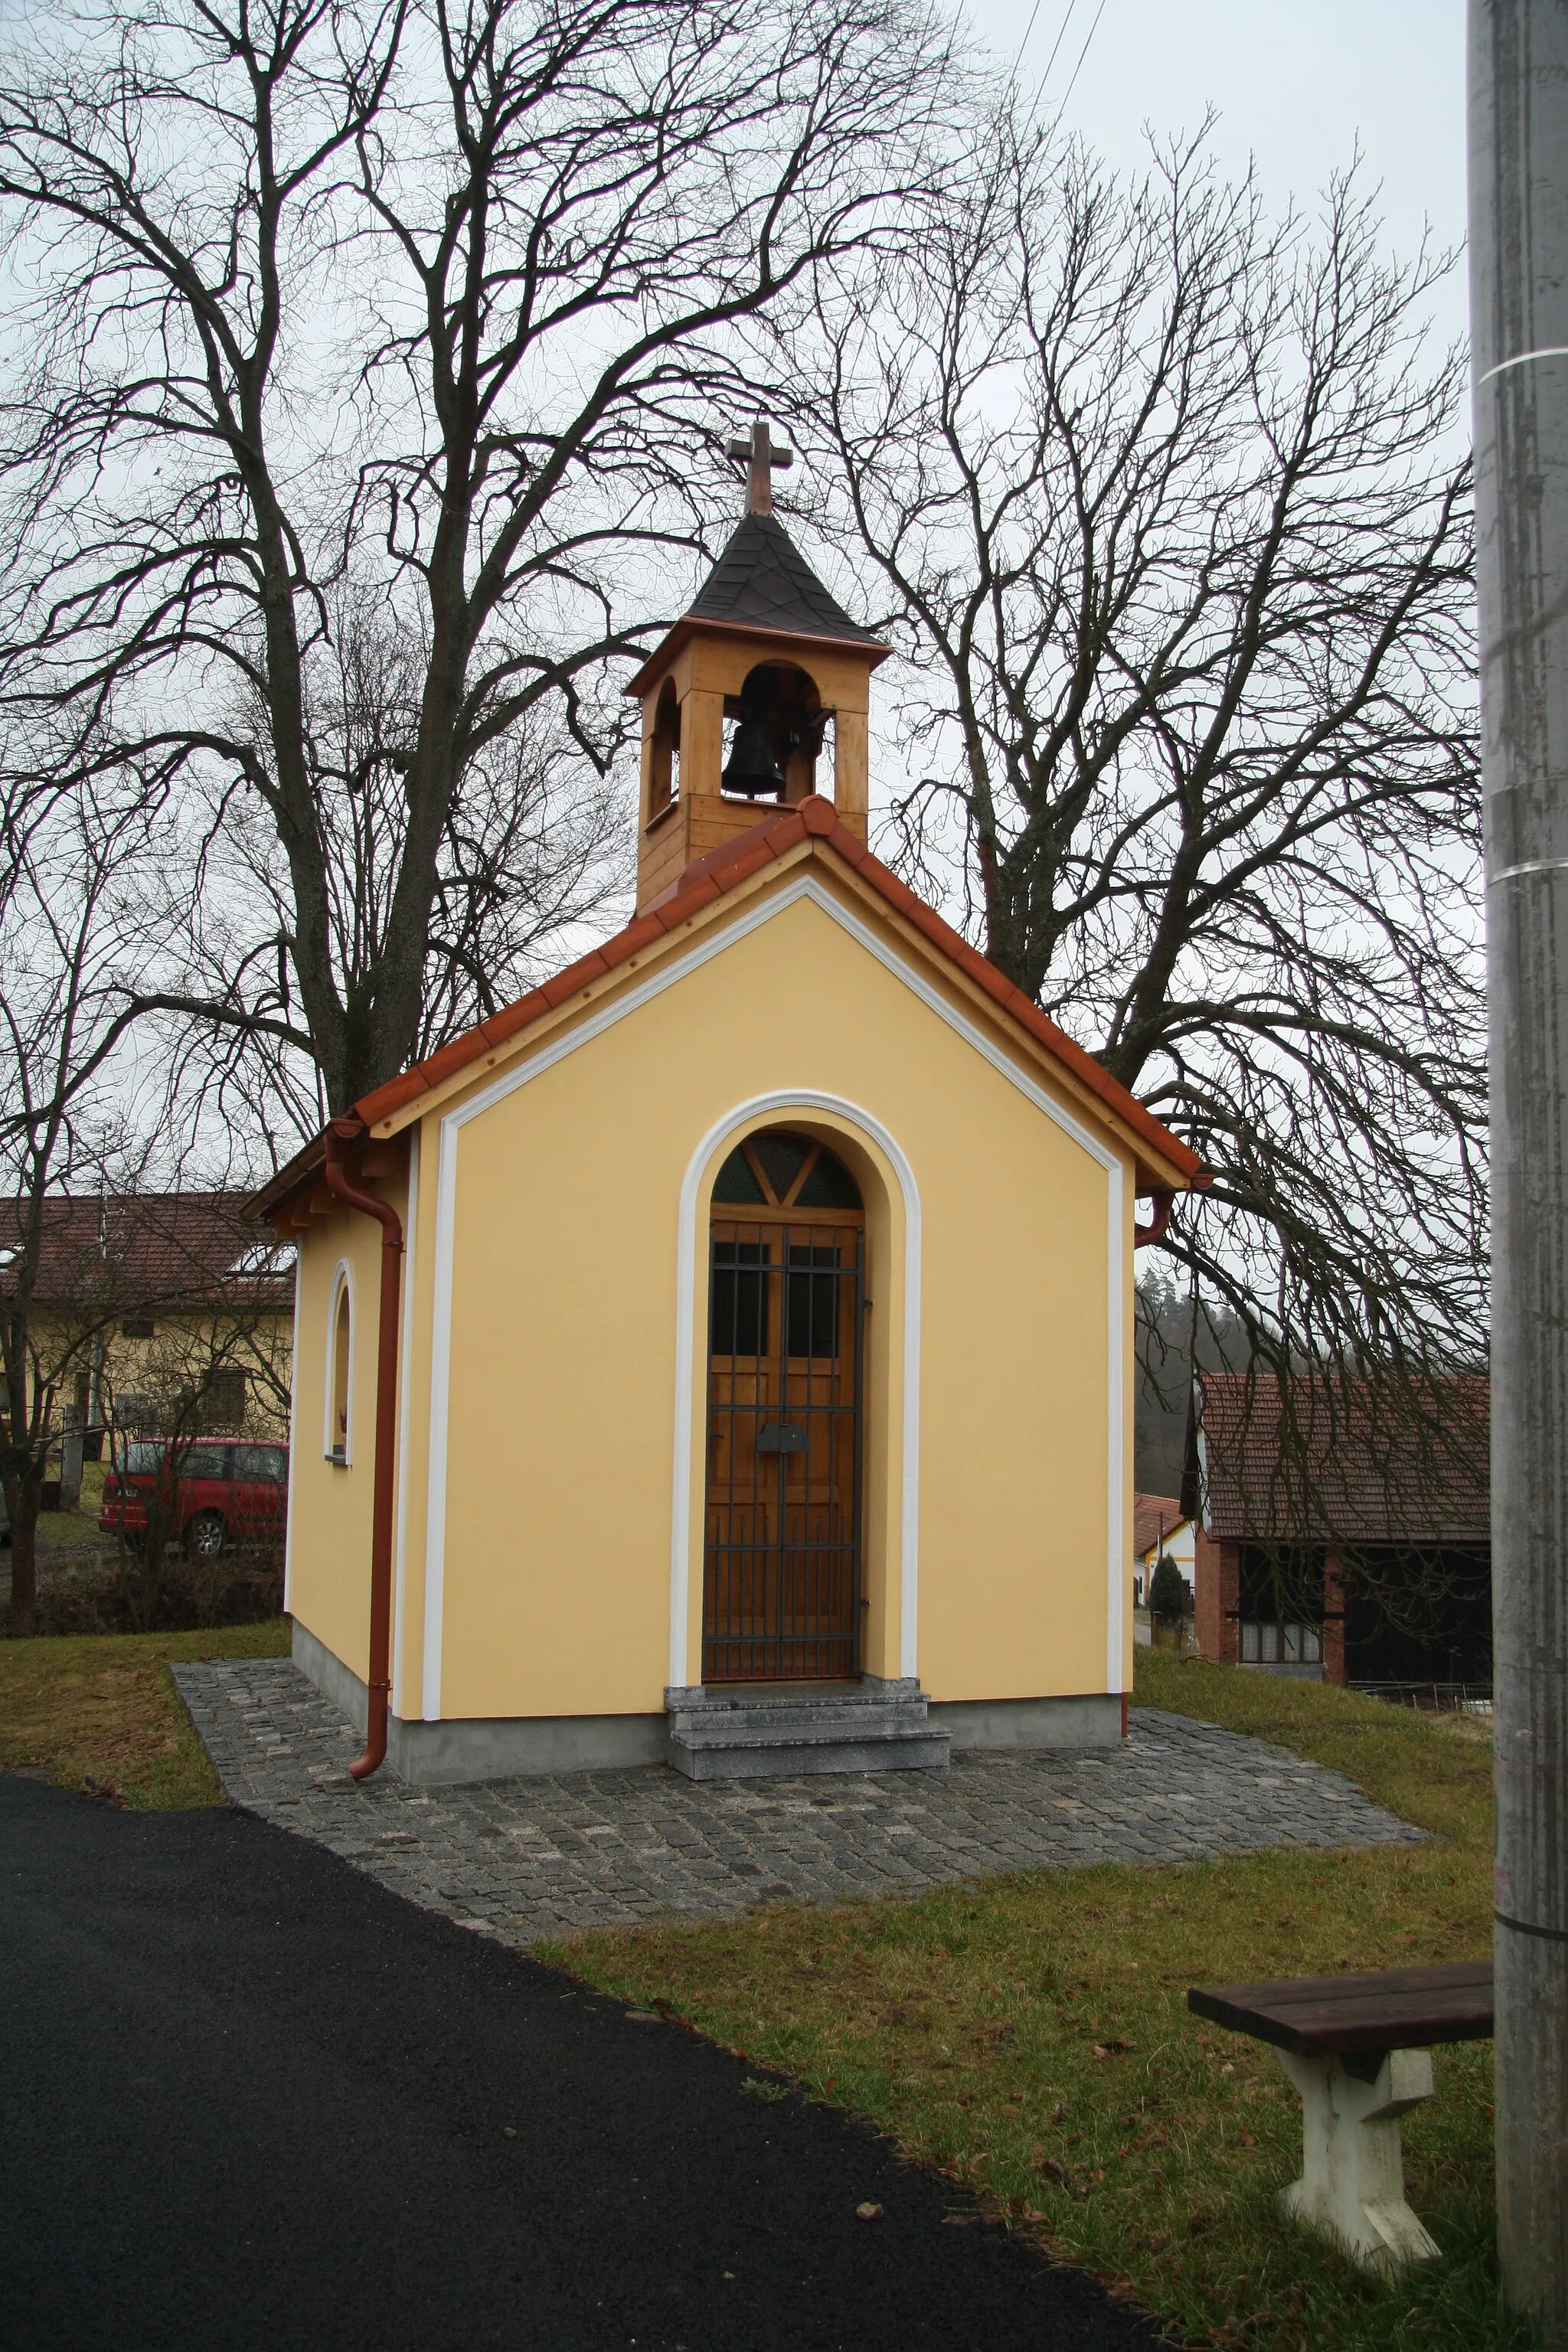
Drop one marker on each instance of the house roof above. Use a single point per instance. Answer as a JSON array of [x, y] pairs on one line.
[[1151, 1513], [1307, 1461], [126, 1251], [762, 583], [814, 825]]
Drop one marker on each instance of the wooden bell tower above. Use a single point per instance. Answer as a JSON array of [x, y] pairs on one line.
[[766, 647]]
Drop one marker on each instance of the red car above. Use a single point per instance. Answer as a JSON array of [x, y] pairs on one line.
[[225, 1491]]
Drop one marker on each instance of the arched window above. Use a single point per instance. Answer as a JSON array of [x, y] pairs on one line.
[[664, 778], [778, 1170], [339, 1372]]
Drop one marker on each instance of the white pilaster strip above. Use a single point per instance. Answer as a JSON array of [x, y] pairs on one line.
[[1115, 1431], [405, 1372], [440, 1382]]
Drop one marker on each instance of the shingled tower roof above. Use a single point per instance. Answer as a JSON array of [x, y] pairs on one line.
[[763, 581]]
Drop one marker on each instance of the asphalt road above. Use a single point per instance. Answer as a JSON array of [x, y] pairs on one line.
[[250, 2099]]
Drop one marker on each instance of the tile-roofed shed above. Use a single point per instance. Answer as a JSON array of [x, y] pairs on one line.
[[1310, 1461], [146, 1249]]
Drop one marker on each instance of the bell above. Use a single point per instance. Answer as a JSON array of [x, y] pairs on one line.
[[753, 766]]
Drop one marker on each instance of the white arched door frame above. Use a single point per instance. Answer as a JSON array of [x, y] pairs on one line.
[[759, 1110]]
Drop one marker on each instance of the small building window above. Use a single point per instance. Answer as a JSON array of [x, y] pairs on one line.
[[213, 1406], [812, 1302], [339, 1372], [776, 1173], [137, 1327], [1263, 1644], [221, 1406]]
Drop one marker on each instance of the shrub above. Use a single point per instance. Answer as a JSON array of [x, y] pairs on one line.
[[1167, 1591]]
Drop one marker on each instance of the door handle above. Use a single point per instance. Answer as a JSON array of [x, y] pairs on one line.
[[781, 1437]]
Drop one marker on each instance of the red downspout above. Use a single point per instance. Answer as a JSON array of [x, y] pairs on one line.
[[346, 1139], [1164, 1200]]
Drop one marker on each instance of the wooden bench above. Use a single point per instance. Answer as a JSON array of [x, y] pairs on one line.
[[1358, 2047]]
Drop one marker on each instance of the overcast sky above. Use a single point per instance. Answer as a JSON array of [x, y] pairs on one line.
[[1296, 82]]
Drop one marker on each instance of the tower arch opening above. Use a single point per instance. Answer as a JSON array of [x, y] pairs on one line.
[[773, 734], [663, 754]]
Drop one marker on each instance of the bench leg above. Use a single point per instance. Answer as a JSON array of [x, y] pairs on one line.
[[1352, 2175]]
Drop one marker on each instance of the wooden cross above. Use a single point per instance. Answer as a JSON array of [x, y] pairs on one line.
[[763, 457]]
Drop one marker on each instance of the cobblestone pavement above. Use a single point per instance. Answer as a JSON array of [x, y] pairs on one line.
[[529, 1858]]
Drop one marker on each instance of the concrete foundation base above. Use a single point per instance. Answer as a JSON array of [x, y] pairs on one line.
[[480, 1747], [789, 1760], [1353, 2173], [998, 1725], [505, 1748], [335, 1681]]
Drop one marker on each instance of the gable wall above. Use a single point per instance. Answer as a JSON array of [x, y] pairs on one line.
[[542, 1584]]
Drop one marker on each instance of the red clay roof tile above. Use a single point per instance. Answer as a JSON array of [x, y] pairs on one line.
[[138, 1252], [513, 1017], [1315, 1459], [640, 933], [1152, 1515]]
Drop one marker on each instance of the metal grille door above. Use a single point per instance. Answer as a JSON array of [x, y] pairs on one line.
[[782, 1567]]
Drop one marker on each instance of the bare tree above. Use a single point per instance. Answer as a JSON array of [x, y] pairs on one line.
[[219, 1367], [70, 933], [438, 294], [1172, 515], [536, 853], [1179, 1336]]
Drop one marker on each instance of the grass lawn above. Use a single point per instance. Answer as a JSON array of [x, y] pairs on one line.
[[1028, 2035], [71, 1527], [102, 1705]]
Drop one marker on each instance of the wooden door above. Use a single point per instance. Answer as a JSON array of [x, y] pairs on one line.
[[786, 1291]]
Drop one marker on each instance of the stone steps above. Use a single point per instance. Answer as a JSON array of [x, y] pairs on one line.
[[866, 1727]]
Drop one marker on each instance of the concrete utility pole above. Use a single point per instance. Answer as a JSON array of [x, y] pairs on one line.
[[1518, 313]]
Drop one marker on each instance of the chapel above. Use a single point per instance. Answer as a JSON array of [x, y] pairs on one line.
[[722, 1357]]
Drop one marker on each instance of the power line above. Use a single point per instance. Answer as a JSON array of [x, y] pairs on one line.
[[1081, 55], [1056, 45], [1061, 35]]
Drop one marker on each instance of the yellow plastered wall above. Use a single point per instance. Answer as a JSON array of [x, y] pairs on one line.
[[555, 1541], [330, 1507]]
